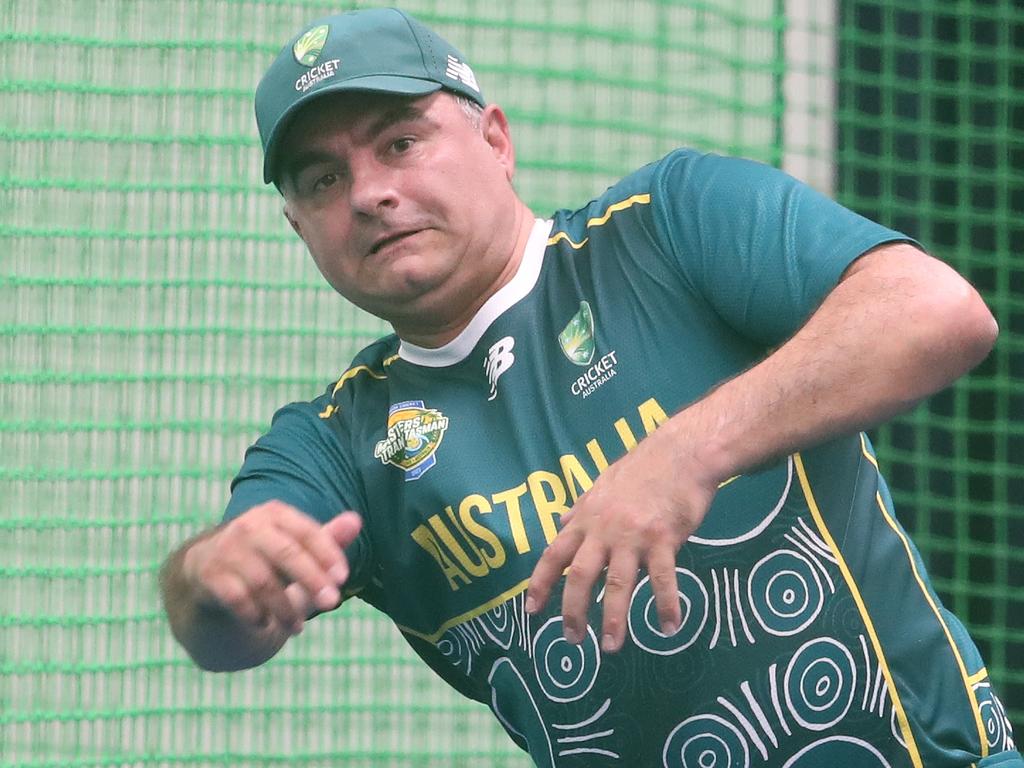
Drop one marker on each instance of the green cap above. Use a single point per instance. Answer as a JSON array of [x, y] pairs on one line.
[[382, 50]]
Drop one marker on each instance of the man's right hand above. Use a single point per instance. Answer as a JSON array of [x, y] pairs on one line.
[[272, 565]]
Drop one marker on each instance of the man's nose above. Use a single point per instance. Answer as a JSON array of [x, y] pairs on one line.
[[373, 186]]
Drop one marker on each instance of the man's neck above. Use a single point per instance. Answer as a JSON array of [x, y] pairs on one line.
[[424, 334]]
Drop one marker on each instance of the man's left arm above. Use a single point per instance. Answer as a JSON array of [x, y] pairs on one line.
[[899, 326]]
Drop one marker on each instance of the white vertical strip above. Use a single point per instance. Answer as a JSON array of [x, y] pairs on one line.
[[809, 91]]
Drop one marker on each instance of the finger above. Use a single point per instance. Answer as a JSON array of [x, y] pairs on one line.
[[577, 598], [550, 567], [618, 589], [267, 590], [291, 558], [342, 530], [300, 600], [233, 593], [661, 566], [320, 541]]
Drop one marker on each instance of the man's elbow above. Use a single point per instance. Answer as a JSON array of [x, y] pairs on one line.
[[945, 320], [985, 331], [963, 328], [222, 663], [217, 652]]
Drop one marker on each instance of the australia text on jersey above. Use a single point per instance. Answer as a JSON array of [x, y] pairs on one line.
[[465, 549]]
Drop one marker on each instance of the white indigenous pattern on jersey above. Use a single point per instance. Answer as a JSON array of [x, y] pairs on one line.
[[769, 716], [810, 691]]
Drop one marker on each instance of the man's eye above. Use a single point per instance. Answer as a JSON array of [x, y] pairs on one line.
[[402, 145], [324, 181]]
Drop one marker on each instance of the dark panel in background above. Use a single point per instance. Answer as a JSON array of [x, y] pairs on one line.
[[931, 142]]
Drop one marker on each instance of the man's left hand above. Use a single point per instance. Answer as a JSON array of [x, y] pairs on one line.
[[639, 513]]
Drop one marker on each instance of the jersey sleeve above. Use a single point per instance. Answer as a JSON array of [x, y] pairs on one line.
[[761, 247], [302, 461]]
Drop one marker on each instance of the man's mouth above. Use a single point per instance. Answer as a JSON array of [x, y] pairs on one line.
[[394, 237]]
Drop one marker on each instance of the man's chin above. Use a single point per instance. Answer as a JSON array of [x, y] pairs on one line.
[[407, 299]]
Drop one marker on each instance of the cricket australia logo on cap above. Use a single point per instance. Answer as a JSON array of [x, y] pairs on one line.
[[414, 433], [307, 50], [578, 344]]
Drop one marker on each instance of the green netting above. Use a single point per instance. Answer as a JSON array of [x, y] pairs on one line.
[[931, 115], [155, 309]]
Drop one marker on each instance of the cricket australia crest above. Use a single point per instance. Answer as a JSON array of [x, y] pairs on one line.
[[577, 338], [307, 49]]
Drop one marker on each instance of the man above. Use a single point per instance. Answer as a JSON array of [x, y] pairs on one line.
[[659, 395]]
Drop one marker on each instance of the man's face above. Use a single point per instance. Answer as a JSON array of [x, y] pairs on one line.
[[402, 202]]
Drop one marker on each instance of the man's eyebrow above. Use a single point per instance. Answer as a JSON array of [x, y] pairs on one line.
[[397, 114]]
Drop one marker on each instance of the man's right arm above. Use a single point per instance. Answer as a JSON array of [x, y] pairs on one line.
[[236, 593]]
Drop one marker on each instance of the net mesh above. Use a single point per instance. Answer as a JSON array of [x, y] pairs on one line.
[[930, 114], [155, 309]]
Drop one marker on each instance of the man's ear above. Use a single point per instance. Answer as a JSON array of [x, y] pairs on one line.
[[498, 135]]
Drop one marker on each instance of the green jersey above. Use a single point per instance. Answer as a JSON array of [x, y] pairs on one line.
[[810, 633]]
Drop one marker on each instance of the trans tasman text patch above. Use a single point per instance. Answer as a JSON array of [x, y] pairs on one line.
[[414, 433]]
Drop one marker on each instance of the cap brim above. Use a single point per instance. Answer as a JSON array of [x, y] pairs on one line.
[[396, 84]]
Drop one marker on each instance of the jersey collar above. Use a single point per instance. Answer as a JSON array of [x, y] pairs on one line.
[[513, 291]]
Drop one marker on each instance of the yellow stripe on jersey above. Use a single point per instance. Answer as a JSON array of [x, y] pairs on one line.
[[562, 236], [331, 409], [935, 609], [629, 202], [901, 715], [433, 637], [732, 479], [352, 372], [597, 221]]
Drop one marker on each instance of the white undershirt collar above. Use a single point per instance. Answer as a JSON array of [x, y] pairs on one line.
[[509, 294]]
